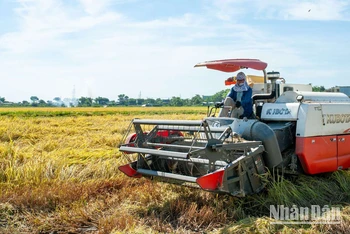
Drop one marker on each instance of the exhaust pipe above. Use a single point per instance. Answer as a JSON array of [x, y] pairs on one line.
[[264, 96]]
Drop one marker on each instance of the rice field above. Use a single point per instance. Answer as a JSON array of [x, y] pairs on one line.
[[59, 174]]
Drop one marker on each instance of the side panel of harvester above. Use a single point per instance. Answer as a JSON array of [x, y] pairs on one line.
[[323, 136]]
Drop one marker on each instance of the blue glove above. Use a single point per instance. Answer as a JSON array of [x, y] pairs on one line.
[[219, 104]]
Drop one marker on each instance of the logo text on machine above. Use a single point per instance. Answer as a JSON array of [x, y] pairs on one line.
[[278, 111]]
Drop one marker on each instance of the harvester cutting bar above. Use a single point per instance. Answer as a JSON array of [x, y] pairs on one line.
[[200, 161], [191, 128], [238, 145], [168, 122], [173, 146], [167, 175], [154, 152]]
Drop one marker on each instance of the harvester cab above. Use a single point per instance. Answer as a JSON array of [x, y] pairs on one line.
[[265, 88], [232, 155]]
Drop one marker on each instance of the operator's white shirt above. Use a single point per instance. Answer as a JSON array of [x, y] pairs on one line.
[[239, 96]]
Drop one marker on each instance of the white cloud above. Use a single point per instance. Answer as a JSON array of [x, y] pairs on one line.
[[282, 10], [303, 10], [105, 53], [44, 22], [94, 7], [317, 10]]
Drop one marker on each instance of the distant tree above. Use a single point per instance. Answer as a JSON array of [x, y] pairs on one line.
[[123, 99], [132, 101], [176, 101], [25, 103], [49, 103], [34, 99], [112, 103], [196, 100], [42, 102], [219, 96], [150, 101], [159, 102], [186, 102], [102, 101], [57, 99], [85, 101], [2, 99], [318, 89], [140, 101]]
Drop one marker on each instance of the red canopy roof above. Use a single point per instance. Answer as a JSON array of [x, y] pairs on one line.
[[232, 65]]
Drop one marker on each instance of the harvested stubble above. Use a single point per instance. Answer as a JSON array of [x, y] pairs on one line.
[[58, 173]]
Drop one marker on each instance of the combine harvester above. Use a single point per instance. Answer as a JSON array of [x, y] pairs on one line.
[[296, 131]]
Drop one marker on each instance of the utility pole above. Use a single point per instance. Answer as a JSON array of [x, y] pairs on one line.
[[137, 101], [73, 102]]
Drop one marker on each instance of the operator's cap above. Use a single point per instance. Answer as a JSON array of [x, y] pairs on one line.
[[240, 76]]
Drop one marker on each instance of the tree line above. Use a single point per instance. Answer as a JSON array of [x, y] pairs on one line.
[[124, 100]]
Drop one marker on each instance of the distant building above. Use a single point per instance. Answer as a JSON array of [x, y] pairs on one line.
[[345, 89], [6, 103], [333, 89], [341, 89]]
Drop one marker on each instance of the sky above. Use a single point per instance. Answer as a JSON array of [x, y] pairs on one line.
[[148, 48]]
